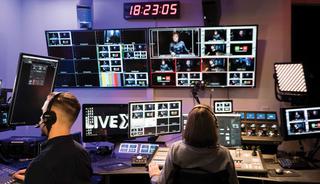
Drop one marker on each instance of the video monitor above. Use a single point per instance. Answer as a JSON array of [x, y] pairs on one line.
[[174, 42], [104, 122], [229, 130], [155, 118], [223, 106], [100, 58], [229, 56], [34, 81], [300, 122]]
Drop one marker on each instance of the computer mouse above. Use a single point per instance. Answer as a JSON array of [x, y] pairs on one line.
[[279, 171]]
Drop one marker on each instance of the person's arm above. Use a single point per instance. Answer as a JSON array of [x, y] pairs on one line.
[[19, 175], [171, 50], [184, 47], [163, 176], [233, 179]]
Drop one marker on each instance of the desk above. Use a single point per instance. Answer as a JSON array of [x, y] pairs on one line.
[[306, 176]]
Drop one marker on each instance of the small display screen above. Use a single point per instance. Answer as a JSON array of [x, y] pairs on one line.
[[271, 116], [155, 118], [250, 115], [261, 116]]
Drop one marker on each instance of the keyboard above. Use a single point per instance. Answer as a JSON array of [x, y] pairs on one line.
[[5, 174], [294, 163]]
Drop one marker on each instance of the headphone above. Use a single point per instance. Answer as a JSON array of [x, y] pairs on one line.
[[208, 109], [50, 117]]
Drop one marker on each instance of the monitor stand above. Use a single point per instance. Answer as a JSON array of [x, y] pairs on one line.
[[152, 139]]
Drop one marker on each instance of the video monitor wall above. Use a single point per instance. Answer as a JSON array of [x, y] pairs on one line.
[[219, 56], [100, 58], [156, 57]]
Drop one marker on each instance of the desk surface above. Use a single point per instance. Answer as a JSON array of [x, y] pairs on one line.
[[305, 176]]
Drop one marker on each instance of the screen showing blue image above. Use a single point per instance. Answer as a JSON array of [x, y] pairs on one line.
[[241, 115], [261, 116], [271, 116], [250, 115]]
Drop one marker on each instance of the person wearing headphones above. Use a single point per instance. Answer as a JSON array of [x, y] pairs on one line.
[[61, 160], [199, 149]]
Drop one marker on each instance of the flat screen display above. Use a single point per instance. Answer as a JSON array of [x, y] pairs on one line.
[[155, 118]]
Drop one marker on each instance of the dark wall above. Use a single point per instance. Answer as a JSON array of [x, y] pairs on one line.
[[305, 46]]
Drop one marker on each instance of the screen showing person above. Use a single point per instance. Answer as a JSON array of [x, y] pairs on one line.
[[174, 42], [215, 49], [155, 118], [215, 35], [112, 36], [296, 116], [188, 65], [162, 65], [297, 127], [314, 114], [241, 64], [215, 64], [178, 46], [241, 34]]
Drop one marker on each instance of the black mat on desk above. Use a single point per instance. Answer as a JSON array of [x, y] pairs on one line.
[[114, 166], [286, 173]]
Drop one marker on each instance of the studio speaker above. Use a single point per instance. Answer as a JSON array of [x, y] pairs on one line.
[[84, 14], [211, 12]]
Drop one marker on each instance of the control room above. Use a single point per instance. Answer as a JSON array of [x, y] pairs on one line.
[[159, 91]]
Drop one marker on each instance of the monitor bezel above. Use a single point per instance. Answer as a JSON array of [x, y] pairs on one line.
[[18, 78], [284, 127], [155, 135], [107, 138]]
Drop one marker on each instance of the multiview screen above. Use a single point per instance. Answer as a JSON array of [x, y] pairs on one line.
[[157, 57], [155, 118], [105, 58]]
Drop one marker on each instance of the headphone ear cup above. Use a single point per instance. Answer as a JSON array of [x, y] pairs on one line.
[[49, 118]]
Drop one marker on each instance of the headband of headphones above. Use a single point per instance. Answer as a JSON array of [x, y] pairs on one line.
[[208, 109], [50, 117], [52, 100]]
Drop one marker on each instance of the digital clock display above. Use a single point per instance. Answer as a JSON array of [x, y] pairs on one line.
[[146, 10]]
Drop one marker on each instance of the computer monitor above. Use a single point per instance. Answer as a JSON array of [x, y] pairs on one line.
[[153, 118], [300, 122], [34, 81], [104, 122], [229, 130]]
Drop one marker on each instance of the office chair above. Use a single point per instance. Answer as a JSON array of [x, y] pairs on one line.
[[199, 176]]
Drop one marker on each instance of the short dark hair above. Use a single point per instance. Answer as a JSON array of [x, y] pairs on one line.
[[201, 129], [175, 33], [68, 103]]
